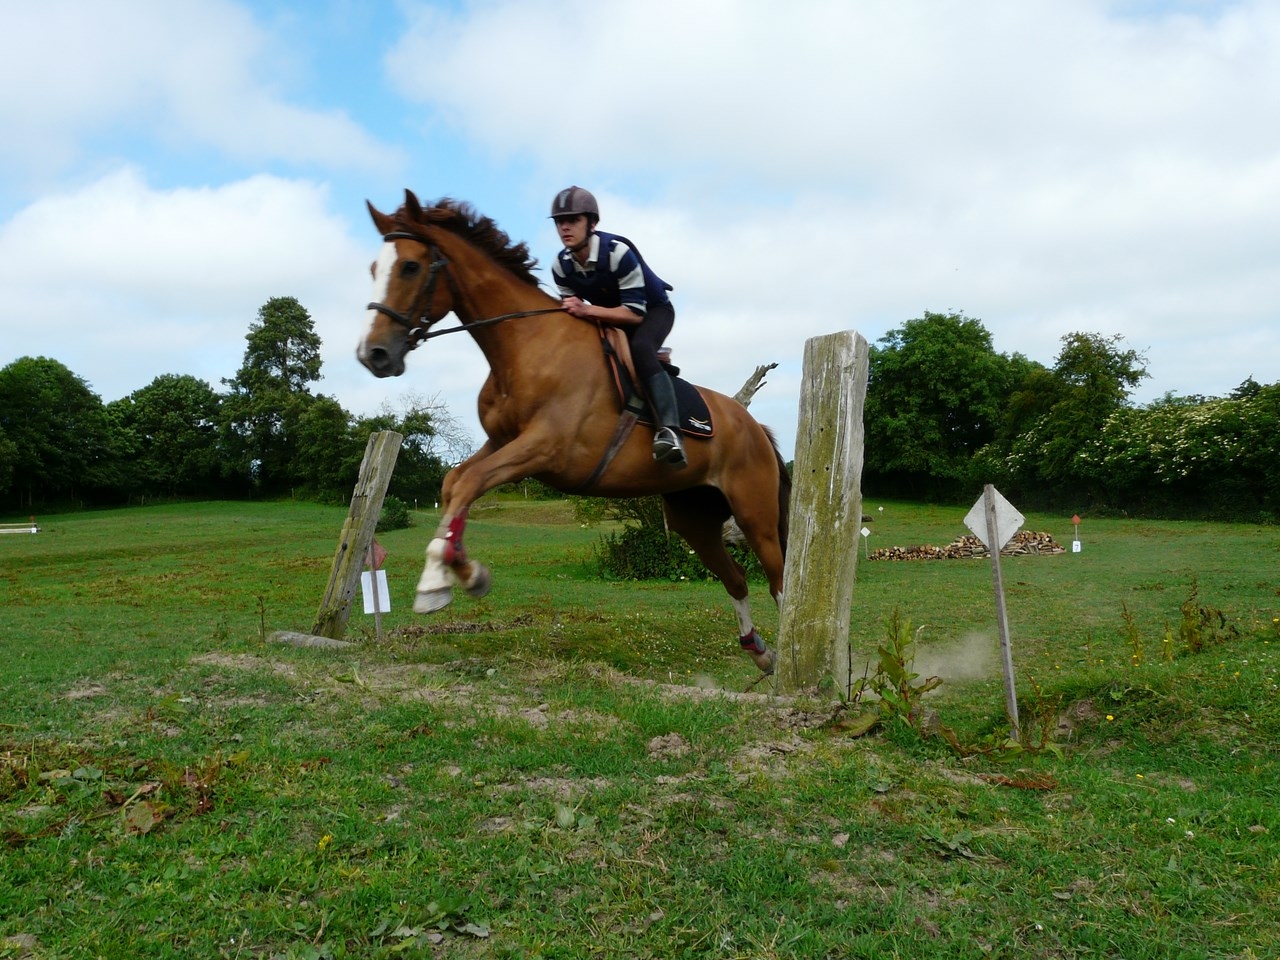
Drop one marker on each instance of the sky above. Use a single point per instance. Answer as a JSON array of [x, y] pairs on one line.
[[793, 167]]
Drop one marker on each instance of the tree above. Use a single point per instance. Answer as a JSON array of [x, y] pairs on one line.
[[284, 349], [63, 447], [328, 451], [269, 394], [433, 441], [1094, 379], [171, 426], [8, 457], [1247, 390], [1191, 457], [935, 395]]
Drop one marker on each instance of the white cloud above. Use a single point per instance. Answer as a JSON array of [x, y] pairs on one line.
[[800, 168], [168, 281], [197, 75], [829, 93], [793, 168]]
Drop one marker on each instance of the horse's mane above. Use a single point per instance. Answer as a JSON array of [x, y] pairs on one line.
[[461, 218]]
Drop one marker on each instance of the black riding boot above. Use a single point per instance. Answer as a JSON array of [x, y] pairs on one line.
[[667, 445]]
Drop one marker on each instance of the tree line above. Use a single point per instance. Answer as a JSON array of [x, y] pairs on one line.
[[945, 413], [266, 434]]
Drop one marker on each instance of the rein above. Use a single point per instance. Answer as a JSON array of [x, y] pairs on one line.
[[419, 331]]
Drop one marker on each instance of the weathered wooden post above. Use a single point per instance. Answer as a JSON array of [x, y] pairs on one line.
[[826, 512], [357, 533]]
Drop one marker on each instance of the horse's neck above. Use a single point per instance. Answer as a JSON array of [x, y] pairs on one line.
[[490, 291]]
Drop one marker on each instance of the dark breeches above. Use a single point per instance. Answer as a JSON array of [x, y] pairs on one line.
[[648, 336]]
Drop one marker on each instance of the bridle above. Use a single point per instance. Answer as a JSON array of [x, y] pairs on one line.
[[415, 322]]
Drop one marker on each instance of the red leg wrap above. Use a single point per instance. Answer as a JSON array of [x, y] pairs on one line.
[[454, 554]]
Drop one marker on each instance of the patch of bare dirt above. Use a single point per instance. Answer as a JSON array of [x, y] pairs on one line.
[[563, 789], [244, 661], [769, 758], [668, 747], [85, 690], [1082, 712], [415, 630], [790, 713]]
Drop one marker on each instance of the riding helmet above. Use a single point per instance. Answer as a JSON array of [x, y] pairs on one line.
[[575, 200]]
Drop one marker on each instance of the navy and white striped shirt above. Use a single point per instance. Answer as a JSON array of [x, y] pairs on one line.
[[623, 285]]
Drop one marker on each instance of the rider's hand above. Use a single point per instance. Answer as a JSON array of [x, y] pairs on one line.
[[576, 307]]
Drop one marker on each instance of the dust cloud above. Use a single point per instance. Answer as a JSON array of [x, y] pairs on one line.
[[975, 656]]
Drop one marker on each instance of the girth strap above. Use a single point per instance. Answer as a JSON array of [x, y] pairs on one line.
[[626, 423]]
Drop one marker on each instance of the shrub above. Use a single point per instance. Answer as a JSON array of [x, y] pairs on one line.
[[394, 516], [651, 553], [647, 553]]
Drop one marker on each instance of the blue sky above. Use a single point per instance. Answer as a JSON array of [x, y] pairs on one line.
[[793, 168]]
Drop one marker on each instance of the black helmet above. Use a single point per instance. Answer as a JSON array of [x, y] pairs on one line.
[[574, 200]]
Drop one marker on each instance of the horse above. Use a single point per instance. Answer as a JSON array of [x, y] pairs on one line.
[[550, 408]]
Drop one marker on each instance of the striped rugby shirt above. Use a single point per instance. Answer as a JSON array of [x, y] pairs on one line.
[[625, 284]]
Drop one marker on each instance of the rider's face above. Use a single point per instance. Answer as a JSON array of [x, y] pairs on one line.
[[573, 230]]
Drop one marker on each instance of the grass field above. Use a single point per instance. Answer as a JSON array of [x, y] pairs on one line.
[[568, 768]]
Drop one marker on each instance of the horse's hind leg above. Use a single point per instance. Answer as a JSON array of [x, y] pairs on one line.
[[698, 516]]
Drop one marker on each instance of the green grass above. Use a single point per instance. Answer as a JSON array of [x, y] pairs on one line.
[[565, 769]]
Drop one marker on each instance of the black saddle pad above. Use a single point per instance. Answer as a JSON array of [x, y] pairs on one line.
[[695, 418]]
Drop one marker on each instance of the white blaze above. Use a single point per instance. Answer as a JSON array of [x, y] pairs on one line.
[[381, 284]]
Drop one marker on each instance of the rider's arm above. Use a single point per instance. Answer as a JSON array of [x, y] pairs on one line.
[[614, 316]]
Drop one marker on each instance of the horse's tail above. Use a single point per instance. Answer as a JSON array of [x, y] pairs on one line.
[[784, 493]]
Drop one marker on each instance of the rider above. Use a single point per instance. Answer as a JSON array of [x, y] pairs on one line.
[[602, 276]]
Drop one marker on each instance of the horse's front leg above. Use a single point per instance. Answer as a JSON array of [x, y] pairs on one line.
[[447, 561], [447, 564]]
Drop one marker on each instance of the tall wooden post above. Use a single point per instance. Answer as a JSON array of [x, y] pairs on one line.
[[826, 512], [357, 533]]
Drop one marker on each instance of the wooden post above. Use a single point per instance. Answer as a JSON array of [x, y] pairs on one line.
[[373, 581], [357, 533], [995, 542], [826, 514]]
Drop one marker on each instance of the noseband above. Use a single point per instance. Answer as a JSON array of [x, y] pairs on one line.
[[417, 331]]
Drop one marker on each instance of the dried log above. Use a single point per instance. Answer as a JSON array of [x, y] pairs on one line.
[[1023, 543]]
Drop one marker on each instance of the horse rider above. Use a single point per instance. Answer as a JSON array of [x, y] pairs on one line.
[[601, 276]]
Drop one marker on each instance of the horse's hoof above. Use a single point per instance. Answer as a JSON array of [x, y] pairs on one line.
[[429, 601], [765, 661], [481, 581]]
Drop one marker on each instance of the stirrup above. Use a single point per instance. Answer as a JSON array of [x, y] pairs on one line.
[[667, 447]]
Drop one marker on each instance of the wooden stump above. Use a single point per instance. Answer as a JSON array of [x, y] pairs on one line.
[[357, 533]]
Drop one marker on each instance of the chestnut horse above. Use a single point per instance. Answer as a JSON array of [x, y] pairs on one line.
[[551, 410]]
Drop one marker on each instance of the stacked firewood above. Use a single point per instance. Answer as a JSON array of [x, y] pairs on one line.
[[1023, 543]]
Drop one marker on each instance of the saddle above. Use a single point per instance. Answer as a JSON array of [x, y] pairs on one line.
[[695, 417]]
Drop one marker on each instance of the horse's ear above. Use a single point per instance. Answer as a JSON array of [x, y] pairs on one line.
[[412, 205], [380, 219]]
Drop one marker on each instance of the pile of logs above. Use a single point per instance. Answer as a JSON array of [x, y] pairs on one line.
[[1023, 543]]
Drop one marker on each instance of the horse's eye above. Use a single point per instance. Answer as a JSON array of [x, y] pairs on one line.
[[409, 269]]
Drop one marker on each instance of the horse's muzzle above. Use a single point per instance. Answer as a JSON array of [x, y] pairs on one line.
[[380, 361]]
